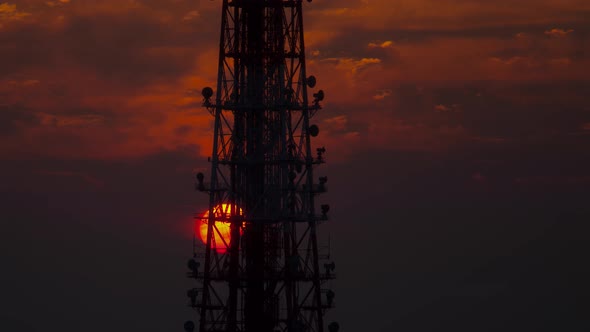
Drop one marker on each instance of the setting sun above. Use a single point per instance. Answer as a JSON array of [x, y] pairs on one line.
[[221, 229]]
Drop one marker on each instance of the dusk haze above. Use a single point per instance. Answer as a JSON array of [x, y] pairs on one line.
[[455, 135]]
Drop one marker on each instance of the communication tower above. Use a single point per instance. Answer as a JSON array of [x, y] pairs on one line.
[[261, 270]]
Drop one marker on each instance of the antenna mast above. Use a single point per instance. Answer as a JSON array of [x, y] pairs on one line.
[[261, 268]]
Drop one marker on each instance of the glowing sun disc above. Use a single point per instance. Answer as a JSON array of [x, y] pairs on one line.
[[221, 230]]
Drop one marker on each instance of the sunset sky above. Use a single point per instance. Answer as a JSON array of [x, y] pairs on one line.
[[458, 148]]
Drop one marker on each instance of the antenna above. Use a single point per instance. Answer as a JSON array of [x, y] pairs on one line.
[[261, 187]]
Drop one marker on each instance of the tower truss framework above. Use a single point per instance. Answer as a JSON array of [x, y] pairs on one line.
[[266, 274]]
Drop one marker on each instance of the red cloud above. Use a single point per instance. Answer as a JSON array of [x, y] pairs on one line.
[[558, 32]]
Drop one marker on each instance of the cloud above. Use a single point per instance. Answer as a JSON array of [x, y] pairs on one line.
[[385, 44], [14, 118], [565, 61], [56, 3], [382, 94], [131, 61], [9, 13], [442, 108], [515, 60], [30, 82], [80, 121], [134, 49], [337, 123], [558, 32], [104, 82], [183, 130], [350, 65], [135, 44], [193, 14]]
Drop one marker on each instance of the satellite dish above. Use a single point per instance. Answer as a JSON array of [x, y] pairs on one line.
[[333, 327], [200, 185], [193, 265], [311, 81], [207, 92], [189, 326], [314, 130], [193, 292], [330, 294], [319, 96]]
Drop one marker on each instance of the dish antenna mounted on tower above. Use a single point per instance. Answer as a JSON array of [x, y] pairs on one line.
[[261, 271]]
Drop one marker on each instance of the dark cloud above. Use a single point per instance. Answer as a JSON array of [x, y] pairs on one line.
[[510, 110], [183, 130], [27, 47], [448, 252], [515, 111], [13, 118], [137, 49]]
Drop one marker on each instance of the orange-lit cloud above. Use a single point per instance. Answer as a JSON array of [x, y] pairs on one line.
[[9, 13], [114, 78], [558, 32]]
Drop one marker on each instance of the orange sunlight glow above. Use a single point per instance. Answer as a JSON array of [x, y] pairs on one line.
[[221, 228]]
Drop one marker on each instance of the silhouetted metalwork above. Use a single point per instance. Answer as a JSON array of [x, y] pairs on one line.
[[266, 274]]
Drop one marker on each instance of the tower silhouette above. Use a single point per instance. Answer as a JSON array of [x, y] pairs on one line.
[[261, 266]]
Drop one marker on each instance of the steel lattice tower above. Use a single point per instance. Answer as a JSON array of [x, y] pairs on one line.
[[267, 274]]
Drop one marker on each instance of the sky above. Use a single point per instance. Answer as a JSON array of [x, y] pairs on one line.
[[458, 155]]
